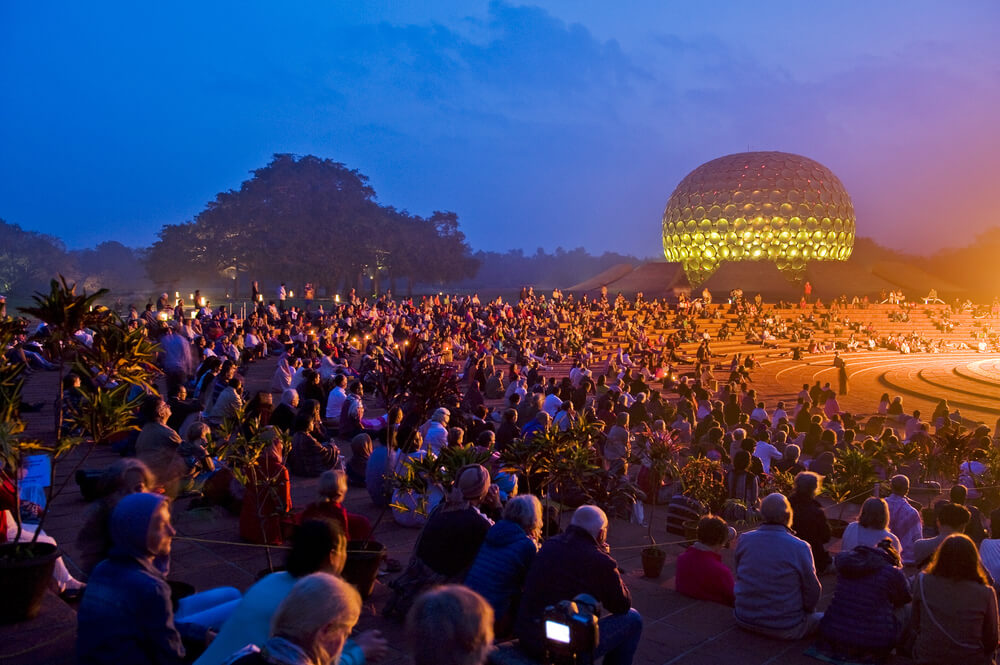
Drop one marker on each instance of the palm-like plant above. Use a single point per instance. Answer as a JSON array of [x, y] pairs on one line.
[[412, 378], [119, 355], [64, 312], [703, 481]]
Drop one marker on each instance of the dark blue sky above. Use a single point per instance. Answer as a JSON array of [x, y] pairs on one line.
[[568, 123]]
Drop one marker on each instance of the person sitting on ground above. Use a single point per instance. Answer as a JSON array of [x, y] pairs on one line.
[[229, 402], [93, 542], [356, 467], [62, 579], [194, 451], [904, 519], [776, 587], [700, 571], [863, 621], [267, 499], [871, 528], [989, 549], [284, 414], [574, 562], [502, 563], [308, 457], [974, 529], [126, 615], [317, 546], [450, 625], [741, 484], [951, 518], [332, 489], [954, 611], [158, 446], [436, 431], [450, 539], [310, 626], [789, 462], [810, 522]]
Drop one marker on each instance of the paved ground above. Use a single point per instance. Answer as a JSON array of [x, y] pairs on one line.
[[677, 630]]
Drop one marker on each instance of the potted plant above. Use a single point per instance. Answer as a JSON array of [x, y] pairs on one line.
[[659, 453], [243, 444], [97, 417]]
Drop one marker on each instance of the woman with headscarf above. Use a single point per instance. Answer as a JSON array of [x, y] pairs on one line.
[[284, 414], [268, 497]]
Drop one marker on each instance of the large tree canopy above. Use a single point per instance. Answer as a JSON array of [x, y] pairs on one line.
[[28, 258], [306, 219]]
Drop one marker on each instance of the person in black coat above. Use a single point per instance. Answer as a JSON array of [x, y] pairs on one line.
[[808, 519], [572, 563]]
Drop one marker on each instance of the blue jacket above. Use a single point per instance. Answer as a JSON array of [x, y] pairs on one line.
[[869, 588], [126, 614], [501, 565]]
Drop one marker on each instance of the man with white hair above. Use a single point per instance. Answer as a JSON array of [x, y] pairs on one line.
[[776, 584], [436, 436], [572, 563]]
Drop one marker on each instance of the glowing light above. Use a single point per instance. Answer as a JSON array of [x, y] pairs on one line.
[[790, 211]]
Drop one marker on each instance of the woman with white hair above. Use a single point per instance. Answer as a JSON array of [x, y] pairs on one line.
[[310, 626], [502, 563], [460, 623]]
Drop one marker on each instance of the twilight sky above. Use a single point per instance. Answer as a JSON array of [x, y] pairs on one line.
[[565, 123]]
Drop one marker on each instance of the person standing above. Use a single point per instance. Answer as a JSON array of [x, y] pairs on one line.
[[282, 295]]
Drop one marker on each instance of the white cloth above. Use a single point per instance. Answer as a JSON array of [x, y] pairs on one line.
[[766, 452], [60, 573], [855, 535], [552, 404]]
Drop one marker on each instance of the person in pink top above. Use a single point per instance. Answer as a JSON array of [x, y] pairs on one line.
[[700, 571]]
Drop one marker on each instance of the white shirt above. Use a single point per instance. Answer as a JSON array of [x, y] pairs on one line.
[[765, 452], [335, 402], [436, 437], [552, 404], [855, 535], [777, 416], [758, 415]]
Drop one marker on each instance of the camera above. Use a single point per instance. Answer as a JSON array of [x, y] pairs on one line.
[[571, 632]]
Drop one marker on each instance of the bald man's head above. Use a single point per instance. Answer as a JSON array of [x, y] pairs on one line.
[[592, 520]]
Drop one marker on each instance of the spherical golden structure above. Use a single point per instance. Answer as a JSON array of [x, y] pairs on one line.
[[756, 206]]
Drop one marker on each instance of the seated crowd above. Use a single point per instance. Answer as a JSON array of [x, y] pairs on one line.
[[481, 570]]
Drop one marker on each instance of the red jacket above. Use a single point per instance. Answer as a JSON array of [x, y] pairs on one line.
[[702, 575], [8, 501]]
